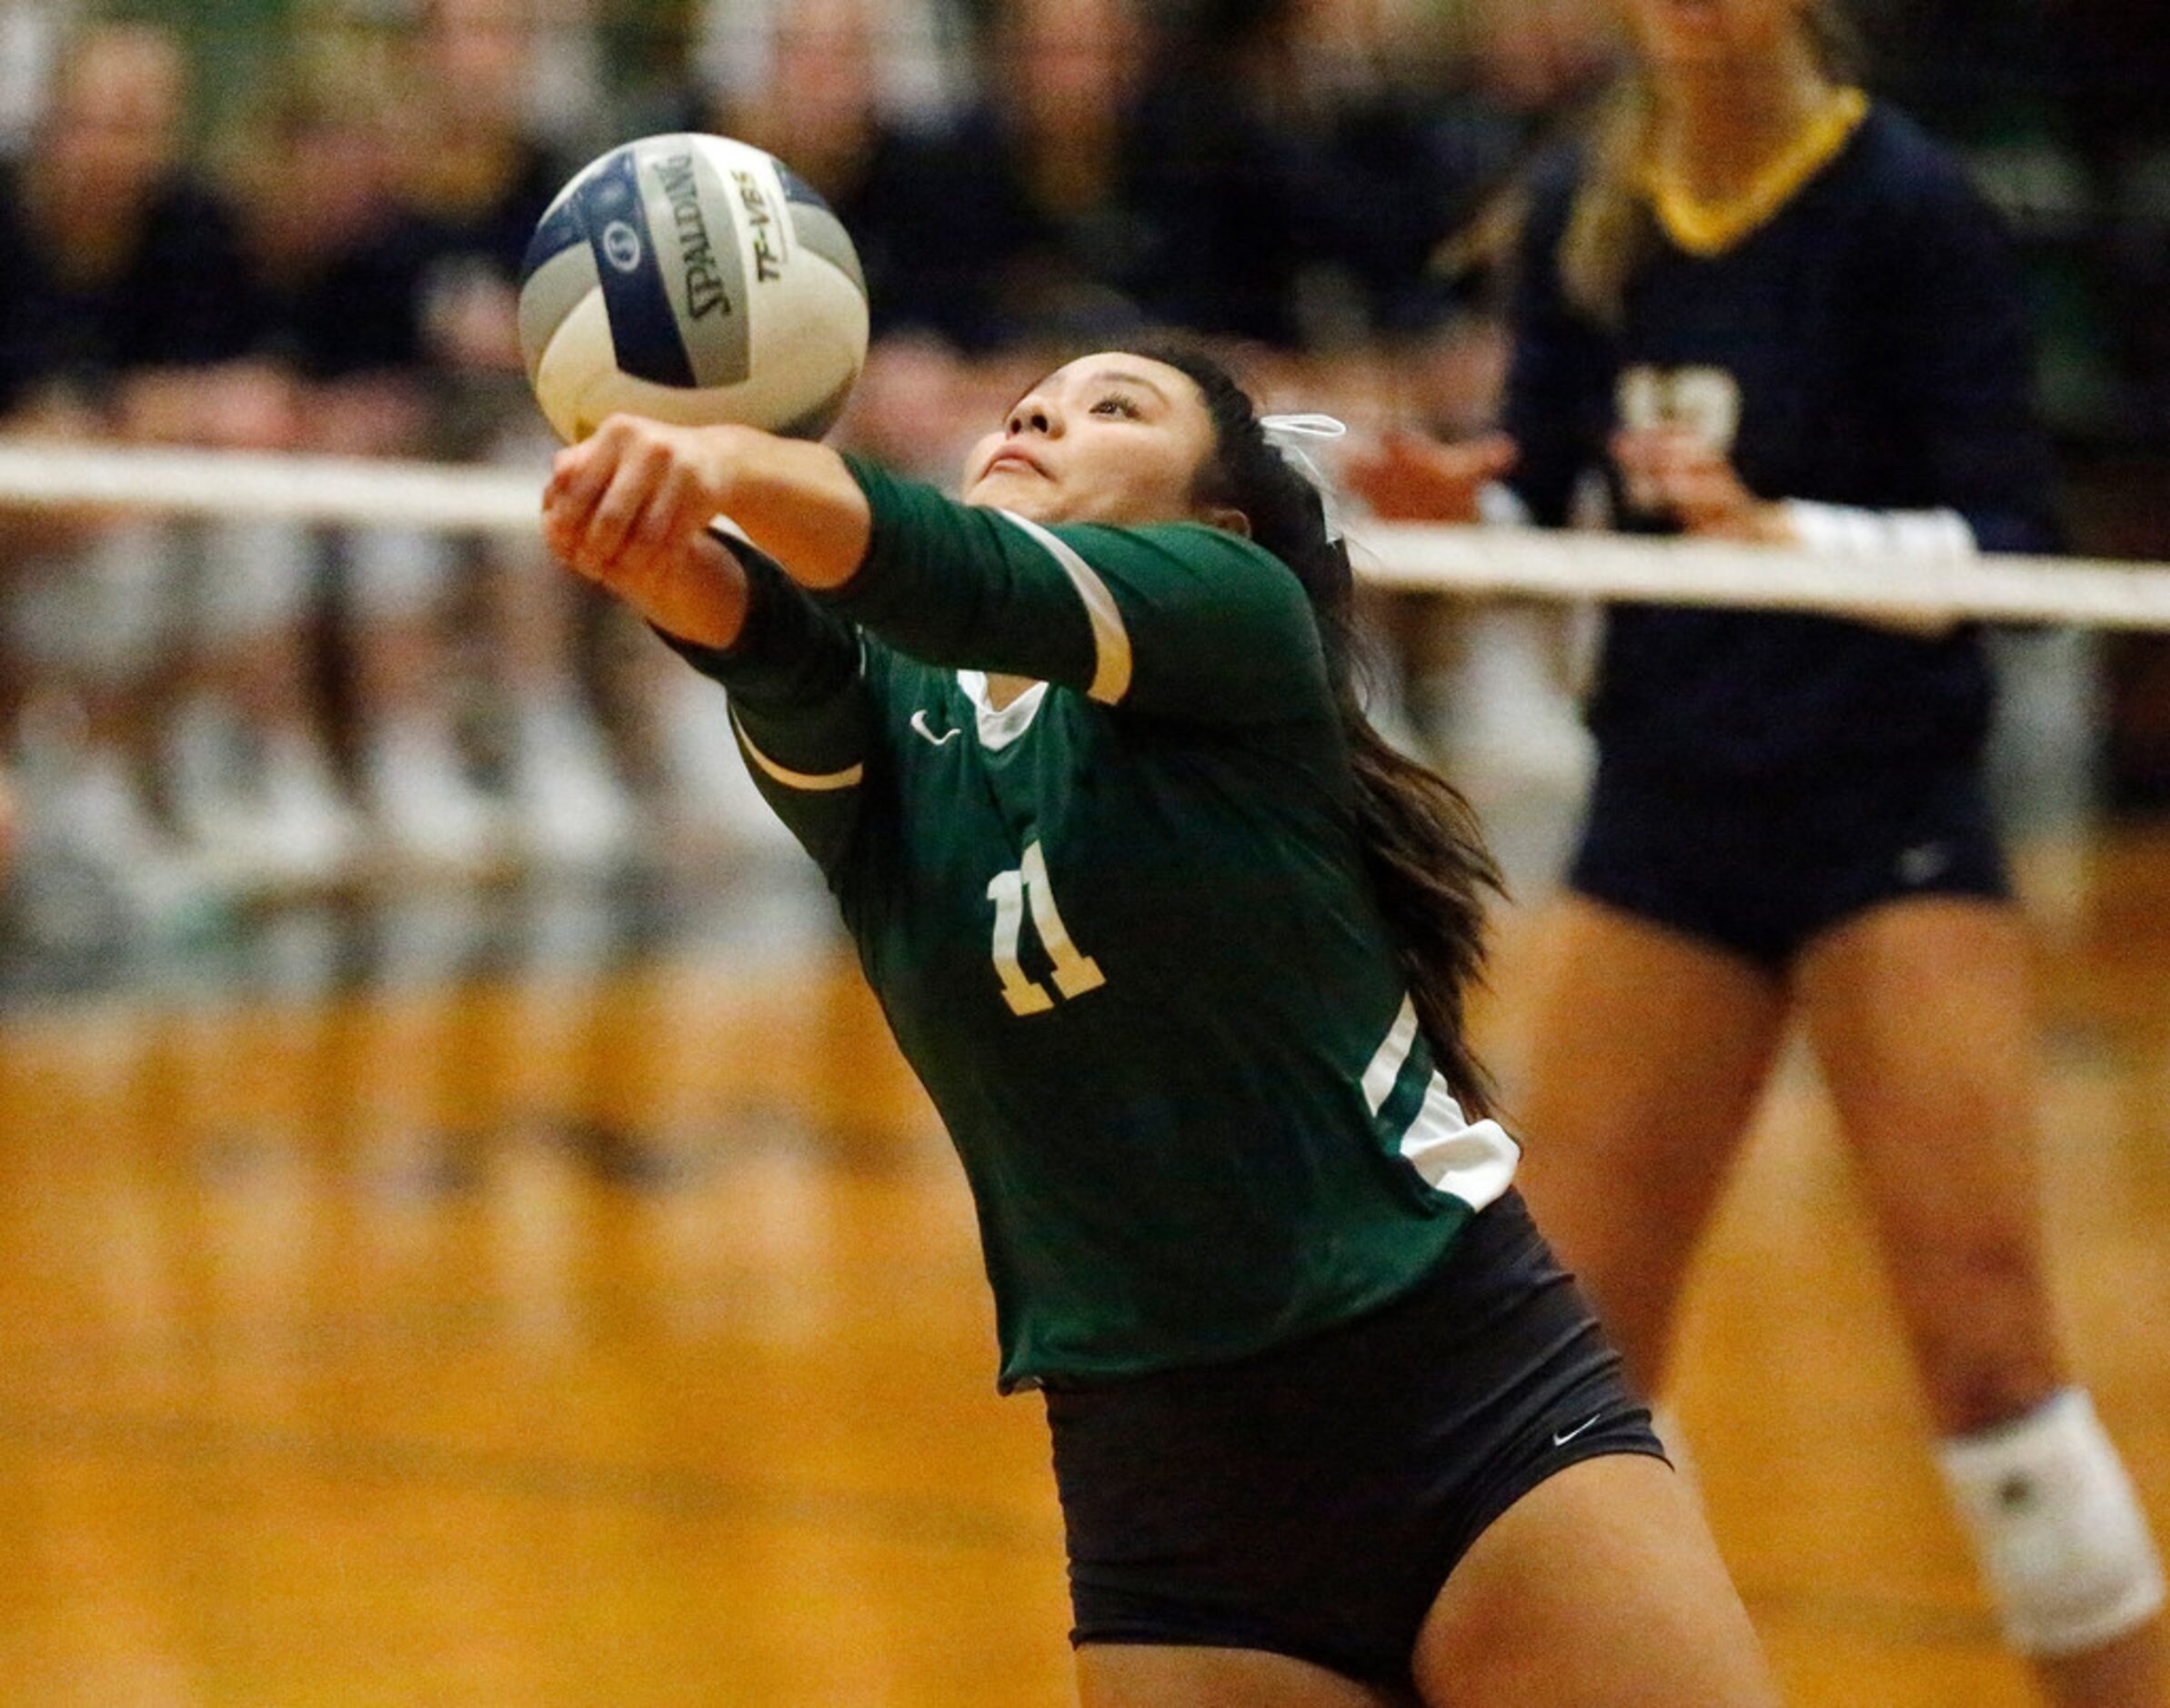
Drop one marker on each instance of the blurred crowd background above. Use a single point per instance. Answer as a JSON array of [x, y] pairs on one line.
[[297, 224]]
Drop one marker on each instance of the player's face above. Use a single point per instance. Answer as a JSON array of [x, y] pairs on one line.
[[1109, 438]]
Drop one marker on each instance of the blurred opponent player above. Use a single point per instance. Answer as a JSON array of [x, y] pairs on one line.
[[1770, 309]]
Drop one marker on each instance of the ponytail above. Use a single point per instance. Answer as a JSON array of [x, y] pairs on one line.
[[1423, 848]]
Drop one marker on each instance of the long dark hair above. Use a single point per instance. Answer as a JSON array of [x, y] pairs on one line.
[[1421, 842]]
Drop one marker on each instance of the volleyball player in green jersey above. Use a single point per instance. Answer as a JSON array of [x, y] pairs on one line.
[[1178, 947]]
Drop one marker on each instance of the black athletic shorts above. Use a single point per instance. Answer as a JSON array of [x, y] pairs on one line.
[[1311, 1501], [1763, 872]]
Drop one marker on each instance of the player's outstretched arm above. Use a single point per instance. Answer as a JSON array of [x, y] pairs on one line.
[[629, 508]]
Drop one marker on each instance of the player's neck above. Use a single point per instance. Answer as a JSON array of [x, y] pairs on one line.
[[1002, 689], [1714, 178], [1721, 127]]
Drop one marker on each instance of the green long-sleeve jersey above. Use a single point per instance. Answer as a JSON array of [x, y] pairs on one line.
[[1120, 928]]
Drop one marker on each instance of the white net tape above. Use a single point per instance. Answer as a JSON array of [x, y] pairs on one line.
[[456, 498], [1541, 564], [1471, 561]]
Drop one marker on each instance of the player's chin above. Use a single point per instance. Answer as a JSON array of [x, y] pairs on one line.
[[1010, 487]]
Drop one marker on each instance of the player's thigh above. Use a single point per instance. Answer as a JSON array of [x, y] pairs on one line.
[[1600, 1588], [1646, 1051], [1152, 1675], [1921, 1019], [1644, 1044], [1922, 1010]]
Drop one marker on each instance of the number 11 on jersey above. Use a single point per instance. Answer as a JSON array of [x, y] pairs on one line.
[[1012, 892]]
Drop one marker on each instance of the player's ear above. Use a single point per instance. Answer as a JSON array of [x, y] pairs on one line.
[[1227, 520]]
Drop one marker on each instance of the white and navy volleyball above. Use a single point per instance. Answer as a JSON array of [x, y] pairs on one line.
[[693, 279]]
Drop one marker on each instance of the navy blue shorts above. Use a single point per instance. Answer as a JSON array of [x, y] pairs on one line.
[[1311, 1501], [1764, 872]]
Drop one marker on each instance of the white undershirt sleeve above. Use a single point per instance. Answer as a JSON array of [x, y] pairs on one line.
[[1931, 539]]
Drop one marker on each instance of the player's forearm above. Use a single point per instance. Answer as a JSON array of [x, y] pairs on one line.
[[798, 502], [705, 605], [630, 507]]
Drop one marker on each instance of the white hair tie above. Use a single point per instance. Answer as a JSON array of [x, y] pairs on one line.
[[1287, 434]]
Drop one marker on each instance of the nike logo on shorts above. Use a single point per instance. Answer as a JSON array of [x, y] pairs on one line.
[[1561, 1437]]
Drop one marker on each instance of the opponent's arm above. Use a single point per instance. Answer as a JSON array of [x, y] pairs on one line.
[[1963, 355], [1553, 414]]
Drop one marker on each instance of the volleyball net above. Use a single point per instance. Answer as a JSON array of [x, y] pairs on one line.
[[1483, 561], [337, 672]]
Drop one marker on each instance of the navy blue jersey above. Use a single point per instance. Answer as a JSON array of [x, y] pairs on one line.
[[358, 310], [1208, 223], [178, 297], [1867, 346], [496, 231]]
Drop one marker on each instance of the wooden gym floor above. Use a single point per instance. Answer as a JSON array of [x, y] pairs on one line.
[[479, 1303]]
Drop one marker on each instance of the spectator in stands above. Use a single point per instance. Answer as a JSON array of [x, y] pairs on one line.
[[335, 268], [476, 165], [855, 96], [1417, 115], [1138, 192], [30, 34], [2120, 60], [1098, 185], [1500, 703], [743, 55], [123, 317]]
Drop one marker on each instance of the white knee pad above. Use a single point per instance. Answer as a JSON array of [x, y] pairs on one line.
[[2056, 1527], [256, 579]]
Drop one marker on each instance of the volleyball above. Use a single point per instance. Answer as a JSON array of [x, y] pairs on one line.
[[693, 279]]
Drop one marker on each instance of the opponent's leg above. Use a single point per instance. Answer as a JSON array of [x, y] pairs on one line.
[[2065, 1549], [1647, 1052], [1920, 1017]]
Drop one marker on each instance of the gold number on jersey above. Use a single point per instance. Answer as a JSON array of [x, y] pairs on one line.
[[1704, 400], [1012, 892]]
